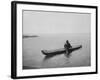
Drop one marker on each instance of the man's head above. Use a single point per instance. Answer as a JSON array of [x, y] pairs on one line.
[[67, 41]]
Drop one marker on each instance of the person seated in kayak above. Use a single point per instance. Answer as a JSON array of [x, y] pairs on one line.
[[67, 44]]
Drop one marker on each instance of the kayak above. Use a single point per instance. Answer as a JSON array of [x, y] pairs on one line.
[[60, 51]]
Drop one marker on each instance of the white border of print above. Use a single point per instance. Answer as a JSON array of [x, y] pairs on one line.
[[35, 72]]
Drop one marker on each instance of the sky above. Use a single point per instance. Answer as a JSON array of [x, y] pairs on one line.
[[42, 22]]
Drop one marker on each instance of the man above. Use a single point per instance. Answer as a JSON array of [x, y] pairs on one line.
[[67, 45]]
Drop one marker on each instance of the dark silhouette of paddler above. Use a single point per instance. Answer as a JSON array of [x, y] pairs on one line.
[[67, 45]]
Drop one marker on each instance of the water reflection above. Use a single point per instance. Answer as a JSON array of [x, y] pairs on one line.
[[50, 56], [68, 55], [55, 61]]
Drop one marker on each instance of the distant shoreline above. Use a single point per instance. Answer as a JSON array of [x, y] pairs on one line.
[[28, 67], [29, 36], [46, 35]]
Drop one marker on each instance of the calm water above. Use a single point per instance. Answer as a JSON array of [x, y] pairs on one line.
[[33, 57]]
